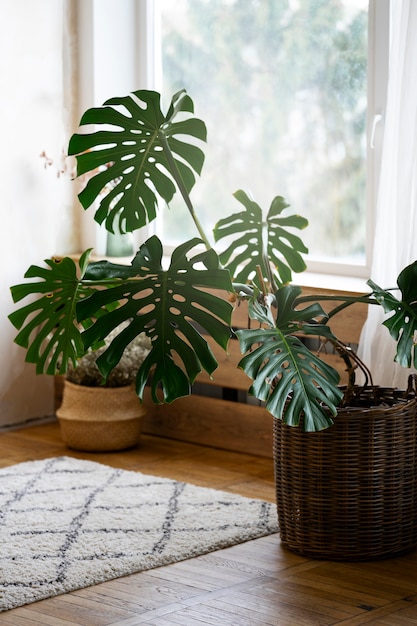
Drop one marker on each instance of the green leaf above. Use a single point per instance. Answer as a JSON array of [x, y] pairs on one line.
[[47, 325], [292, 381], [171, 306], [128, 159], [402, 324], [258, 242], [280, 311]]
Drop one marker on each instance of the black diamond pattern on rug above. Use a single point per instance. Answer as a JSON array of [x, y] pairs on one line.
[[67, 523]]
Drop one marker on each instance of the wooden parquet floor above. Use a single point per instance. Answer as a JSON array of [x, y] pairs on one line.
[[258, 583]]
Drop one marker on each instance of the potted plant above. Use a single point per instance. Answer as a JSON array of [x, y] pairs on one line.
[[142, 157], [100, 414]]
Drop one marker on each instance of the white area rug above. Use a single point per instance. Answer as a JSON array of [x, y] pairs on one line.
[[67, 524]]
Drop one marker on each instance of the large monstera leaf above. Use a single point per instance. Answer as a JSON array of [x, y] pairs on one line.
[[256, 241], [293, 381], [47, 325], [137, 156], [171, 306], [402, 324]]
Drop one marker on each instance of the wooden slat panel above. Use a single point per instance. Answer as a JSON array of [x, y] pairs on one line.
[[213, 422], [346, 325], [227, 374]]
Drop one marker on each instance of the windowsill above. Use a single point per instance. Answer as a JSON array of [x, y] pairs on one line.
[[316, 280], [331, 281]]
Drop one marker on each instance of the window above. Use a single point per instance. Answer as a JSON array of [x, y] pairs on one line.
[[291, 91], [282, 86]]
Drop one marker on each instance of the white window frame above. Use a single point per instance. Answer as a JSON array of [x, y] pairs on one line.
[[139, 34]]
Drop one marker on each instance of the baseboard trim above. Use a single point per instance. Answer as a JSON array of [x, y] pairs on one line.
[[33, 421]]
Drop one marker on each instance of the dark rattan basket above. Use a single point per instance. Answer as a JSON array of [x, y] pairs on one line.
[[350, 492]]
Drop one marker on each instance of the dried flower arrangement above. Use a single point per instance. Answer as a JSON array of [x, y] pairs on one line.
[[87, 373]]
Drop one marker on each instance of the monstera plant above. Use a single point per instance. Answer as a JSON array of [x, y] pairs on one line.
[[135, 159]]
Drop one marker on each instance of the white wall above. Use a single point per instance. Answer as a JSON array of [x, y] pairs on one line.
[[44, 93], [31, 197]]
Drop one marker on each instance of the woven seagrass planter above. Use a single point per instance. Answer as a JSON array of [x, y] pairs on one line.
[[100, 419], [350, 492]]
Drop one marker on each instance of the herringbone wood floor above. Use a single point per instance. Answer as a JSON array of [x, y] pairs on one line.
[[258, 583]]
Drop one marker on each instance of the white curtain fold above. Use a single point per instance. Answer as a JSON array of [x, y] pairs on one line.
[[395, 244]]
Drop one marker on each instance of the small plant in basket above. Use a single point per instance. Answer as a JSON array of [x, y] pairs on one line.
[[99, 414]]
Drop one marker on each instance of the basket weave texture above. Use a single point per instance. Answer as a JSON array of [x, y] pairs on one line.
[[100, 419], [350, 492]]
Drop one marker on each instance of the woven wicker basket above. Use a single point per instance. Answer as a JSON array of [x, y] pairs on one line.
[[100, 419], [350, 492]]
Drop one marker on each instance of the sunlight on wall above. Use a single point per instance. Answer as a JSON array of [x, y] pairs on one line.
[[32, 198]]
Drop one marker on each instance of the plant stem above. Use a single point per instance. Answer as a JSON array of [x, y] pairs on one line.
[[261, 280], [182, 188], [346, 301]]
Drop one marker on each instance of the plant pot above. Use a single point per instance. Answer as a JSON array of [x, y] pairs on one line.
[[350, 492], [100, 419]]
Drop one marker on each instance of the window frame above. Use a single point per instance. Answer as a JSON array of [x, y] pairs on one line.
[[143, 35]]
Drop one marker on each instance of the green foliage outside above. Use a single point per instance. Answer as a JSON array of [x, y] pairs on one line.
[[290, 81]]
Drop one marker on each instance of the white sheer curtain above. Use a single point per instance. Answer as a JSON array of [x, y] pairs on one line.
[[396, 216], [35, 207]]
